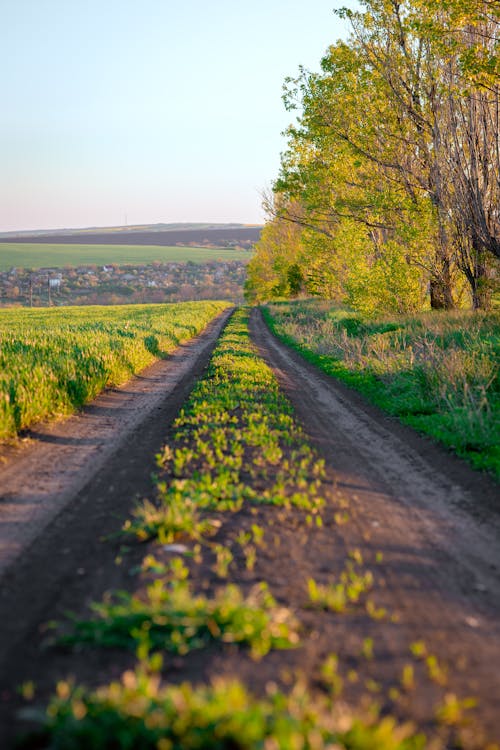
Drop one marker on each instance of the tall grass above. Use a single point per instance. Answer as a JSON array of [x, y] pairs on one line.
[[54, 360], [437, 372]]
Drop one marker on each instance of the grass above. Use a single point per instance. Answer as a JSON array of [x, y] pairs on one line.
[[140, 712], [236, 441], [173, 619], [437, 372], [42, 255], [52, 361]]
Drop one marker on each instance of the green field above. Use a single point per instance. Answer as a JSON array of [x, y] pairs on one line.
[[41, 255], [55, 360]]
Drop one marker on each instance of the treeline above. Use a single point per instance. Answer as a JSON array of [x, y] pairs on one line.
[[388, 196]]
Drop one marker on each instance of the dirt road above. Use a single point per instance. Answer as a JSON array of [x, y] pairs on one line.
[[428, 521], [44, 473], [436, 522], [69, 484]]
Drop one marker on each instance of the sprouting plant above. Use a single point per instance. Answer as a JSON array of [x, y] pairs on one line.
[[250, 553], [330, 675], [437, 672], [376, 613], [175, 619], [139, 711], [258, 534], [223, 559], [367, 648], [408, 677], [347, 590], [453, 710]]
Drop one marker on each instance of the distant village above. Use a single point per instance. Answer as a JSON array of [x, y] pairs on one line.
[[114, 284]]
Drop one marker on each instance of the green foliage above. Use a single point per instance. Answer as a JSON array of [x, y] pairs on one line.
[[139, 712], [384, 172], [52, 361], [274, 270], [170, 617], [337, 596], [437, 372], [236, 440]]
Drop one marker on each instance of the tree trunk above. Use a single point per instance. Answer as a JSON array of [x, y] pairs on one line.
[[480, 286], [441, 285]]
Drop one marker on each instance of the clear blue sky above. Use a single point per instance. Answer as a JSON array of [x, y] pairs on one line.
[[157, 110]]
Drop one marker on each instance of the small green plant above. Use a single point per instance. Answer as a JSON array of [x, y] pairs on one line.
[[139, 712], [408, 677], [176, 620], [453, 711], [223, 559], [337, 596]]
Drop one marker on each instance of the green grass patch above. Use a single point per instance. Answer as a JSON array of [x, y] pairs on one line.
[[52, 361], [45, 255], [236, 440], [437, 372], [139, 712], [170, 617]]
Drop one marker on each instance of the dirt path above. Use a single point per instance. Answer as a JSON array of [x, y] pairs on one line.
[[44, 473], [435, 521], [68, 485]]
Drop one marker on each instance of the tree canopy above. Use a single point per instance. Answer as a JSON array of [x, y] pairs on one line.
[[388, 195]]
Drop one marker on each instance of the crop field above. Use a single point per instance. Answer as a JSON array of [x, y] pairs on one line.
[[238, 474], [39, 255], [52, 361], [437, 372]]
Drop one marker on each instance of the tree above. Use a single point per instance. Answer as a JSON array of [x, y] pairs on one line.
[[274, 269]]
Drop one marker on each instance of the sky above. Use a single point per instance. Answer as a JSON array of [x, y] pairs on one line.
[[120, 111]]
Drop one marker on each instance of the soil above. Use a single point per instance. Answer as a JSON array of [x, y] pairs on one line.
[[424, 522], [144, 237]]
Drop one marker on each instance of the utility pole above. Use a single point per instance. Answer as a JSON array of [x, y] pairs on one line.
[[48, 288], [31, 290]]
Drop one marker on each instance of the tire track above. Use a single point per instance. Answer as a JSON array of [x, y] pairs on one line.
[[440, 563]]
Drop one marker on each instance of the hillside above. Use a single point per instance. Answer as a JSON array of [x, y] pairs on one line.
[[215, 235]]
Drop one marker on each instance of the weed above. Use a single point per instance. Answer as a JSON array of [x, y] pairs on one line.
[[337, 596], [138, 711], [176, 620]]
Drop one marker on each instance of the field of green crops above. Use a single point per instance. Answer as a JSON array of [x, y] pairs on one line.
[[38, 255], [437, 372], [54, 360]]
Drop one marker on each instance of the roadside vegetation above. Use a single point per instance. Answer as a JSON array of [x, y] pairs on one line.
[[437, 372], [54, 361], [239, 474]]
